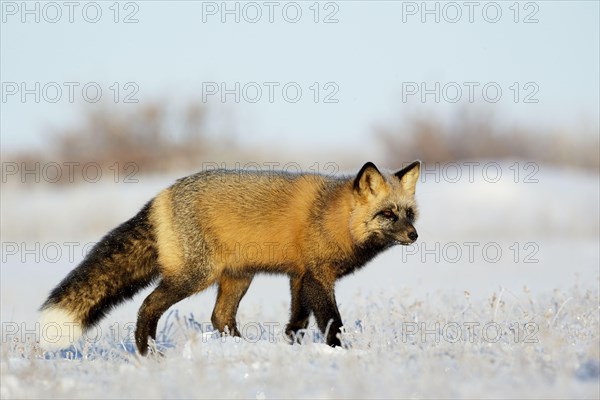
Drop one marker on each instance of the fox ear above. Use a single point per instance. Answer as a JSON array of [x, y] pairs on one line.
[[409, 176], [368, 180]]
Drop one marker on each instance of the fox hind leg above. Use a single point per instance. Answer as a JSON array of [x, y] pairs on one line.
[[167, 293], [230, 293]]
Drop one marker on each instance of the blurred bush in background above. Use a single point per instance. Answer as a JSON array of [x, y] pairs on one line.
[[472, 136], [158, 137]]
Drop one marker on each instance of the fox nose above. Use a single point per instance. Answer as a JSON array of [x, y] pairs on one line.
[[413, 236]]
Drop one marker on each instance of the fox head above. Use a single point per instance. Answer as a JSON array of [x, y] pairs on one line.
[[384, 206]]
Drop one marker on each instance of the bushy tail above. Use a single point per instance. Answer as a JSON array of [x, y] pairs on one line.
[[120, 265]]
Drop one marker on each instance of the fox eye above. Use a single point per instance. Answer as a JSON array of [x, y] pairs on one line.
[[410, 214], [389, 214]]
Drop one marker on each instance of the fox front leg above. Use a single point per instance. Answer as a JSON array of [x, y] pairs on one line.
[[300, 311], [319, 295]]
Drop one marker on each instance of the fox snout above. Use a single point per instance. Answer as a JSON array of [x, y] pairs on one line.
[[413, 235], [408, 235]]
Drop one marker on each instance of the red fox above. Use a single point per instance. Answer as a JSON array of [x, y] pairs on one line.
[[225, 226]]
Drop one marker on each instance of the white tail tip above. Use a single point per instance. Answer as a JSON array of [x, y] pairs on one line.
[[58, 329]]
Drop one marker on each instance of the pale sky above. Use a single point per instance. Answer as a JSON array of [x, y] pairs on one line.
[[376, 55]]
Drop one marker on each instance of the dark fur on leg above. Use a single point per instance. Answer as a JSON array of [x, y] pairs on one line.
[[320, 297], [300, 312], [164, 296]]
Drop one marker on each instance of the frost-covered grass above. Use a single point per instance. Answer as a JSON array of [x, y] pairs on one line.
[[509, 345]]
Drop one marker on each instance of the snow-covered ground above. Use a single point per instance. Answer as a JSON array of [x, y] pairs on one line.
[[498, 298]]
